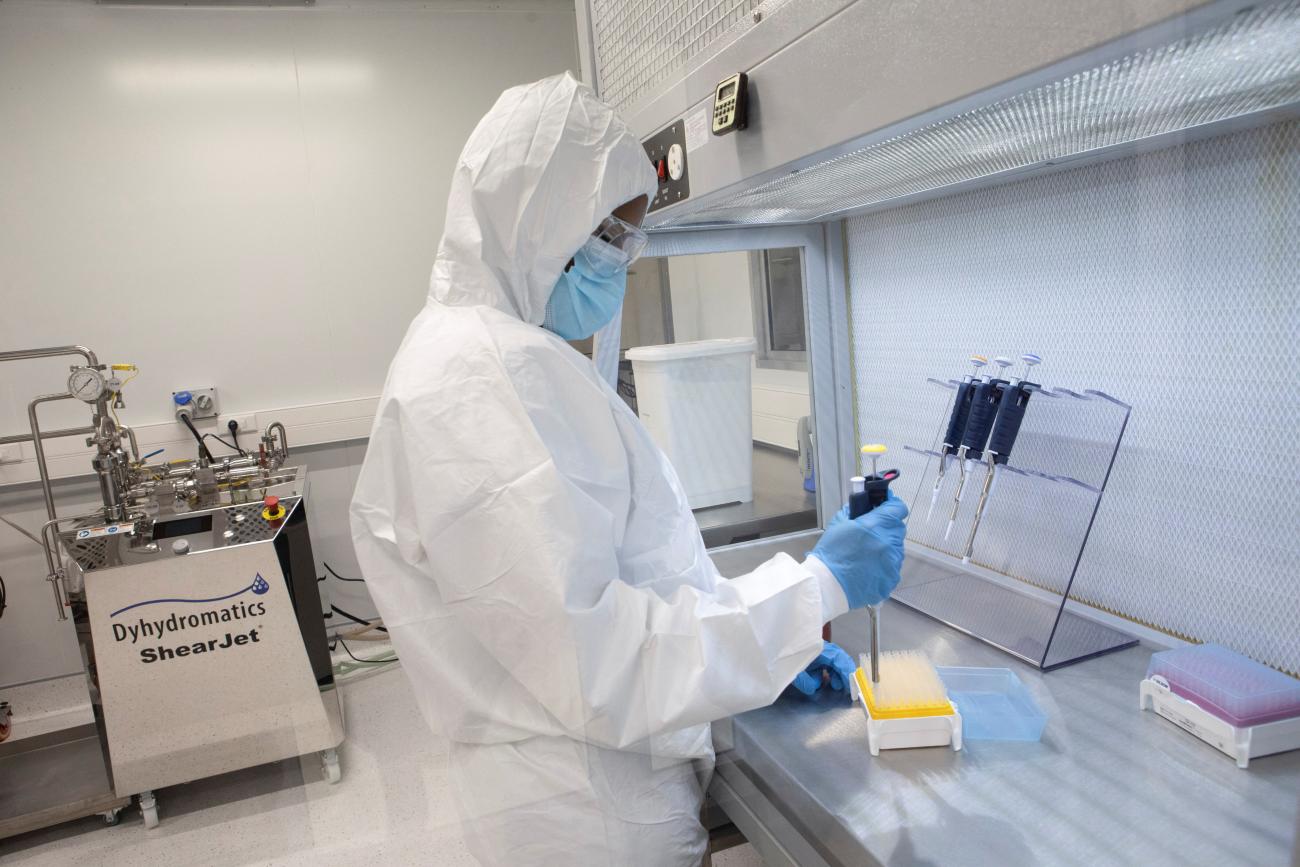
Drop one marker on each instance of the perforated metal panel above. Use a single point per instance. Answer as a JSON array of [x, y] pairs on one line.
[[1247, 65], [90, 553], [1169, 279], [639, 45], [253, 527]]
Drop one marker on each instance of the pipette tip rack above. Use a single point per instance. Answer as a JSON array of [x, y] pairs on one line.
[[930, 725]]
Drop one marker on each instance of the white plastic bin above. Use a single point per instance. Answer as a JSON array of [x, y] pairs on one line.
[[695, 400]]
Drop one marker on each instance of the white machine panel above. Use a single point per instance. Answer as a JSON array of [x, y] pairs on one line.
[[202, 669]]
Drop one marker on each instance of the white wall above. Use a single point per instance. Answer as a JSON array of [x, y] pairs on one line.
[[780, 399], [711, 298], [245, 198], [643, 305]]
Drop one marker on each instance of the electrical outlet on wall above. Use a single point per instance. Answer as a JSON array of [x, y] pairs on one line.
[[246, 438], [197, 403], [247, 423]]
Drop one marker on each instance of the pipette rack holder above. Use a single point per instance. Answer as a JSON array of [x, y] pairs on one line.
[[1018, 587]]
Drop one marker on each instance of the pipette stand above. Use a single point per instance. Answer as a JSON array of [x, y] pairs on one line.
[[1018, 590]]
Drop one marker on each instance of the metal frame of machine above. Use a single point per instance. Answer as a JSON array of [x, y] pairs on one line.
[[239, 512]]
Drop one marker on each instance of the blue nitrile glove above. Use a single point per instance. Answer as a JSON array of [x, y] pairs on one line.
[[832, 659], [865, 554]]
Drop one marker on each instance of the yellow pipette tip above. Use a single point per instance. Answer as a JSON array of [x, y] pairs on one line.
[[874, 449]]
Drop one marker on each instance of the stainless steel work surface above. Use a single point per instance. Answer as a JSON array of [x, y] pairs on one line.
[[1108, 783]]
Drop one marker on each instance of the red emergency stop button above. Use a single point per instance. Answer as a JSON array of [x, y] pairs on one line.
[[271, 508]]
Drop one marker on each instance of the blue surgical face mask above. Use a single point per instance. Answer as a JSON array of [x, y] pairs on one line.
[[589, 293]]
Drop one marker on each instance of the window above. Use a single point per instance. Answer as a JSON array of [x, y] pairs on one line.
[[777, 283]]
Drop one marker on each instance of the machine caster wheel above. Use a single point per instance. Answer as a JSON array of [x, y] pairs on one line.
[[148, 809], [111, 817], [330, 763]]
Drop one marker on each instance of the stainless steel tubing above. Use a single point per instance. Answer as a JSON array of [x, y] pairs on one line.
[[48, 435], [135, 446], [50, 352], [41, 467], [106, 465], [284, 437], [238, 474], [54, 574], [49, 541]]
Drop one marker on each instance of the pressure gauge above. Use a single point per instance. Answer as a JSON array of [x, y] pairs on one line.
[[676, 162], [86, 384]]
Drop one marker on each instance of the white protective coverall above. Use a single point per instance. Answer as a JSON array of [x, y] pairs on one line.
[[530, 549]]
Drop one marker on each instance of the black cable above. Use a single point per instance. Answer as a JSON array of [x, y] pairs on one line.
[[365, 661], [203, 450], [355, 619], [3, 595], [226, 444], [340, 577]]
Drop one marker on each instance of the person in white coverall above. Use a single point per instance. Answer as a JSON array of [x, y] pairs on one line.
[[530, 548]]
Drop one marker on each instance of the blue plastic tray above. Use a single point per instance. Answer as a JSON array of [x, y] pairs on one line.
[[994, 704]]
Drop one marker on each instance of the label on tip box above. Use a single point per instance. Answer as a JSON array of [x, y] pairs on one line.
[[1171, 712]]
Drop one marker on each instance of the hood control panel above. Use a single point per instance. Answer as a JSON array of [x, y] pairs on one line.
[[667, 152]]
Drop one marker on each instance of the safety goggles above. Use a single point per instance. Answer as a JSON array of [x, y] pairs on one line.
[[623, 236]]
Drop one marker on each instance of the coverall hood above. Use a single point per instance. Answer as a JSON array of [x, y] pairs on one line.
[[543, 167]]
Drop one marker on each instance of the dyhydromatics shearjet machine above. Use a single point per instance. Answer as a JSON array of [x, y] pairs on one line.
[[196, 583]]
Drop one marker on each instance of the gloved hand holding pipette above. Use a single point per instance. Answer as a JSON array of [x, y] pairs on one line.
[[865, 555]]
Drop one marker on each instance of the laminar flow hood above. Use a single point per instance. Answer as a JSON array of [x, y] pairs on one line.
[[861, 105]]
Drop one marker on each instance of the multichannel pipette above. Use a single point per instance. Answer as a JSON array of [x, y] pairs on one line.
[[956, 425], [867, 493], [983, 410], [1011, 412]]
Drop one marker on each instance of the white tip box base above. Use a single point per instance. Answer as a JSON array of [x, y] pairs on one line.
[[1243, 744]]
